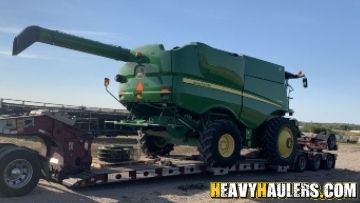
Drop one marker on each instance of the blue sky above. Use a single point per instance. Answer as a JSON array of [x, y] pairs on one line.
[[321, 38]]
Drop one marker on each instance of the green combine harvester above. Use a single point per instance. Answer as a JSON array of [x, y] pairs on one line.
[[195, 95]]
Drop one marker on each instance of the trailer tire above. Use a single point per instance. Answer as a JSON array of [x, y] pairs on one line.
[[300, 164], [152, 145], [19, 171], [331, 141], [279, 141], [220, 143], [329, 162], [315, 163], [5, 146]]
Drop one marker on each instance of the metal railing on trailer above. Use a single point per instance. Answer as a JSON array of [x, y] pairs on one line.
[[91, 119], [11, 105]]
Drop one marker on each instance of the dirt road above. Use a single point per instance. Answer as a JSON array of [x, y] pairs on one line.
[[189, 188]]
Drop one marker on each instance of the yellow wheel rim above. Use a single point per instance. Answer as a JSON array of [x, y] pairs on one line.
[[285, 142], [226, 145]]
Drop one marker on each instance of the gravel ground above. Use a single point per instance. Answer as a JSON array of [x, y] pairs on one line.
[[188, 188]]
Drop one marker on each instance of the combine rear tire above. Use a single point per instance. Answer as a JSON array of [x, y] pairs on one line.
[[329, 162], [314, 164], [19, 171], [279, 141], [153, 146], [220, 143]]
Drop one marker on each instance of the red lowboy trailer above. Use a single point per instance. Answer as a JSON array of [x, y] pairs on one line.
[[65, 157]]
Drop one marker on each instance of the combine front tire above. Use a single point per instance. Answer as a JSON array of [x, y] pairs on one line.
[[220, 143], [19, 171], [152, 145], [279, 141]]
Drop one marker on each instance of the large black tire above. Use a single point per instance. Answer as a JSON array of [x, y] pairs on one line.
[[329, 162], [279, 141], [331, 141], [300, 163], [5, 146], [220, 143], [315, 163], [155, 146], [26, 163]]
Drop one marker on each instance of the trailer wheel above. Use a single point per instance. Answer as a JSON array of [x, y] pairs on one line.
[[19, 171], [315, 163], [152, 145], [220, 143], [329, 162], [300, 164], [279, 141], [331, 141]]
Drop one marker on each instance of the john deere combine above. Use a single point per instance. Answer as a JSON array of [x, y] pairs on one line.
[[195, 95]]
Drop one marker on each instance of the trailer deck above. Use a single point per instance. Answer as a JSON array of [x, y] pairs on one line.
[[66, 157], [162, 167]]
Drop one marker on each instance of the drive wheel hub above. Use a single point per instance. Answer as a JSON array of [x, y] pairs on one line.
[[285, 142], [18, 173], [226, 145]]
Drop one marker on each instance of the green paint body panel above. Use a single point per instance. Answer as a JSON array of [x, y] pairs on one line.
[[263, 83], [182, 84]]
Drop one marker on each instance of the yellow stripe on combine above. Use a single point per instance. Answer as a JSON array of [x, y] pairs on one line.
[[147, 92], [227, 89]]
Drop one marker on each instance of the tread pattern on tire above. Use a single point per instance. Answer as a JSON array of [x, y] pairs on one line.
[[209, 142], [270, 133], [315, 163], [5, 146], [324, 163], [332, 142], [297, 166]]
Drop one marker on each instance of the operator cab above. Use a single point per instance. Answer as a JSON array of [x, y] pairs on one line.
[[288, 76]]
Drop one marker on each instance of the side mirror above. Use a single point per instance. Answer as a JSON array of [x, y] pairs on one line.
[[120, 79], [106, 82], [305, 82]]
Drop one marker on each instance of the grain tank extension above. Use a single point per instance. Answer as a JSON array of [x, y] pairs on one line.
[[195, 95]]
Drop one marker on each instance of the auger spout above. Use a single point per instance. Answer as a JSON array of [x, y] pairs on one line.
[[34, 34]]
